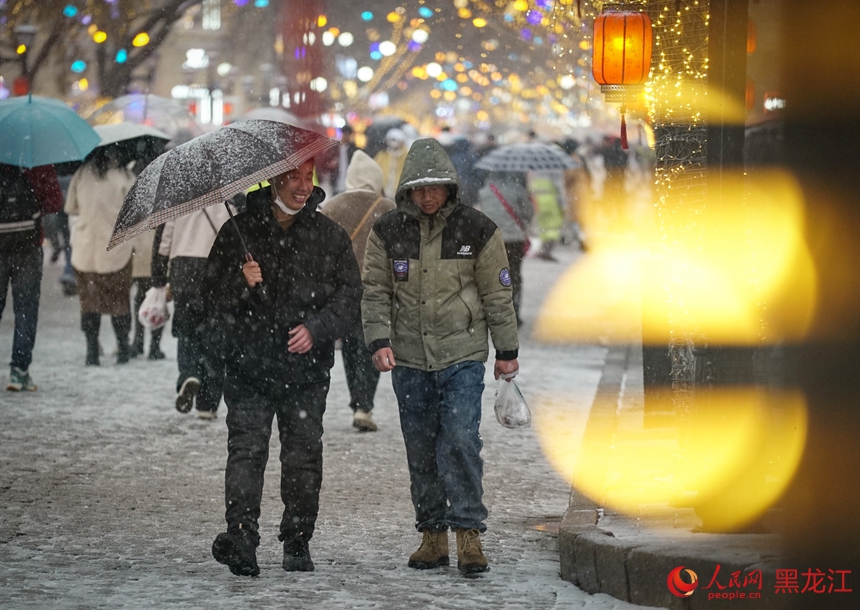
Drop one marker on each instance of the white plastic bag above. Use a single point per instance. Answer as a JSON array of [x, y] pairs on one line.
[[153, 311], [511, 408]]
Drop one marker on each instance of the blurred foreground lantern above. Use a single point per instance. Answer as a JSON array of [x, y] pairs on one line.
[[621, 55]]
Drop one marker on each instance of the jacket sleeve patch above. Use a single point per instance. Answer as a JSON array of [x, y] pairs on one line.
[[505, 277]]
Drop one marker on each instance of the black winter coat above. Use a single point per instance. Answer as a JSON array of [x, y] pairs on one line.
[[311, 278]]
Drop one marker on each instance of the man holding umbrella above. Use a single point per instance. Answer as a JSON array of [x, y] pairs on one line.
[[35, 133], [279, 351], [285, 281]]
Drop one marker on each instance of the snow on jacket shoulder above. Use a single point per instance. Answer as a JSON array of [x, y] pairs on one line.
[[311, 278], [434, 286]]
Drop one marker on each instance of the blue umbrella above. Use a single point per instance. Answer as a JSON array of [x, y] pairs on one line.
[[42, 131]]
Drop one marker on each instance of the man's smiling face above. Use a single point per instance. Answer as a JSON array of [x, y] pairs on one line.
[[295, 186]]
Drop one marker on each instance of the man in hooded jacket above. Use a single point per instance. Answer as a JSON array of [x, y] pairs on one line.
[[436, 281], [279, 350], [356, 209]]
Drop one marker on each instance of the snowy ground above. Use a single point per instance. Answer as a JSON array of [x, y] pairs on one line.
[[109, 498]]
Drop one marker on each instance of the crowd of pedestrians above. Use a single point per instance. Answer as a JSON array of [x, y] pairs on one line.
[[413, 266]]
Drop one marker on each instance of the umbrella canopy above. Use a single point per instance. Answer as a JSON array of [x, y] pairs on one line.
[[163, 113], [274, 113], [526, 158], [120, 132], [42, 131], [131, 142], [210, 169]]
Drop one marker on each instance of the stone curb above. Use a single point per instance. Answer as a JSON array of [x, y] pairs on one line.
[[635, 569]]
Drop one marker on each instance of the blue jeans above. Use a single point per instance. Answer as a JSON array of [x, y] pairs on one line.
[[440, 416], [24, 271]]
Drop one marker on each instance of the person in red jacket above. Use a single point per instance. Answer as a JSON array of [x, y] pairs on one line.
[[25, 196]]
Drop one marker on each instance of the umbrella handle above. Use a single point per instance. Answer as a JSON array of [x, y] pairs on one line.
[[259, 289]]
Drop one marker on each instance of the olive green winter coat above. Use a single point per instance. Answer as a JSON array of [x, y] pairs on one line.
[[435, 285]]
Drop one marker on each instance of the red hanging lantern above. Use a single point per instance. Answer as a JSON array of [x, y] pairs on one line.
[[621, 56]]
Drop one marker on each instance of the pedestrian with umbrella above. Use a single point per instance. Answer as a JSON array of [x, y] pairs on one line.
[[505, 200], [35, 133], [538, 162], [137, 146], [285, 280], [104, 278]]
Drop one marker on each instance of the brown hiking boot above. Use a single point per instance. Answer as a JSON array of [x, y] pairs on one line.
[[470, 556], [432, 553]]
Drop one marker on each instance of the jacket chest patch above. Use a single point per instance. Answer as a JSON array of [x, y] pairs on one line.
[[465, 250], [400, 267]]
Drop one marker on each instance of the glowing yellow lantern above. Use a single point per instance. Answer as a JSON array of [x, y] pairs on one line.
[[621, 55]]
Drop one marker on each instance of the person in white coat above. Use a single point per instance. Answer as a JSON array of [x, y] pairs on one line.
[[94, 199], [185, 242]]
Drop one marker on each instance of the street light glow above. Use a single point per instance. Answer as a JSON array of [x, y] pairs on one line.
[[345, 39], [319, 84], [387, 48], [433, 69], [365, 74], [141, 40]]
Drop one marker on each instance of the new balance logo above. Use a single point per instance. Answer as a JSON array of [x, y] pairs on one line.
[[465, 251]]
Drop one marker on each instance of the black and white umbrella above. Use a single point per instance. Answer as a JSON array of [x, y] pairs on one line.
[[529, 157], [212, 168]]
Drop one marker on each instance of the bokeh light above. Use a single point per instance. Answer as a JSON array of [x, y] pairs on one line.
[[747, 279], [731, 461], [141, 40]]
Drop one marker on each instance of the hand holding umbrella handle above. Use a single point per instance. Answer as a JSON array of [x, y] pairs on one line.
[[258, 288]]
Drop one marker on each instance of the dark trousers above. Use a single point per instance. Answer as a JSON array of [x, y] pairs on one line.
[[250, 412], [361, 376], [200, 340], [516, 253], [200, 354], [23, 270]]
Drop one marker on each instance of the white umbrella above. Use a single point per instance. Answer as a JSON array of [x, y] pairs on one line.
[[274, 113], [118, 132]]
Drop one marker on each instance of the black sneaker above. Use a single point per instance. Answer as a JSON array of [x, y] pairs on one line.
[[297, 557], [237, 551], [187, 391]]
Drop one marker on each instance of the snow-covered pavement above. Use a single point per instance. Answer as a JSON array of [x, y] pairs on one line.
[[109, 498]]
